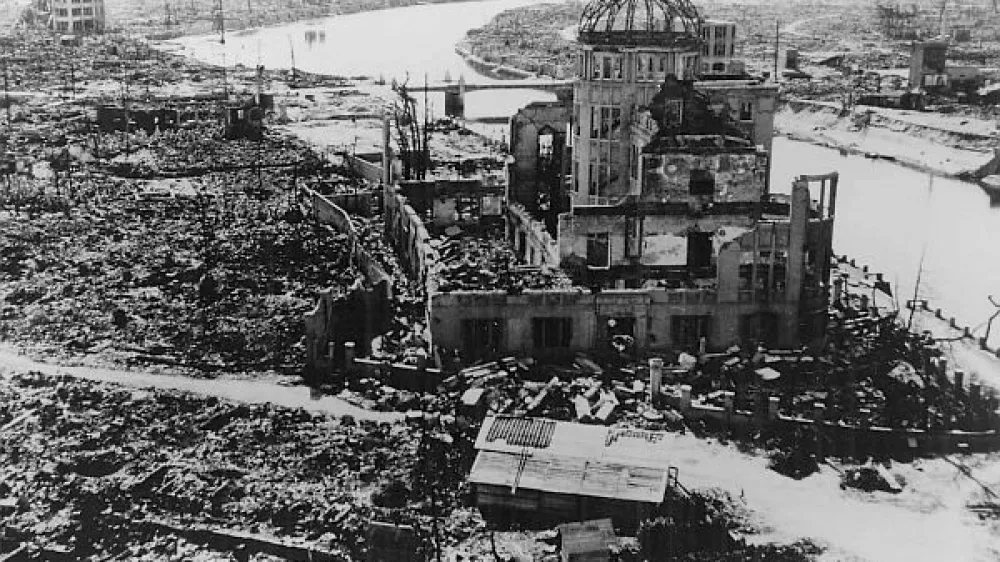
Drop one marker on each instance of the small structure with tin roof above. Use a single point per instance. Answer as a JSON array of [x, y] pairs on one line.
[[543, 471]]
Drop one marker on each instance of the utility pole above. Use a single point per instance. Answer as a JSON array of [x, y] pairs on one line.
[[777, 47], [128, 116], [6, 94], [920, 266], [425, 153]]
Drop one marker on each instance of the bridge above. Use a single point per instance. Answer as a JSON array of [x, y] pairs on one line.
[[461, 85], [454, 92]]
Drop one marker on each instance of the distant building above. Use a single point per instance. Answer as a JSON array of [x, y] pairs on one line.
[[78, 16], [718, 47], [927, 65]]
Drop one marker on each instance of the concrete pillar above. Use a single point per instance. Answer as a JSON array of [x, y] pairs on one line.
[[386, 151], [773, 407], [350, 353], [729, 403], [454, 104], [819, 416], [819, 411], [655, 377], [685, 397]]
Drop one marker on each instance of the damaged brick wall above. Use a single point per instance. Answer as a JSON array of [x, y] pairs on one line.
[[532, 243], [408, 234], [736, 177], [664, 237], [528, 177]]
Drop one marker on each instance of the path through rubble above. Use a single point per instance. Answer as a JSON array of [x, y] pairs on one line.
[[962, 353], [929, 520], [248, 391]]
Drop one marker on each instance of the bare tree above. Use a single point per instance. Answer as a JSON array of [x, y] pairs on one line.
[[412, 137]]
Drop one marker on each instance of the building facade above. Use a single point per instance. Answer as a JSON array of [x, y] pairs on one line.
[[672, 238], [78, 16], [620, 69]]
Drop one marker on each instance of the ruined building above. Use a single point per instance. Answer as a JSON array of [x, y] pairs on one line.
[[78, 16], [641, 212]]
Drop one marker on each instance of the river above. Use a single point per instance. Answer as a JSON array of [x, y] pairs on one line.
[[888, 216]]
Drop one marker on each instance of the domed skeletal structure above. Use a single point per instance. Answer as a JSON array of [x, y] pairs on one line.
[[638, 21]]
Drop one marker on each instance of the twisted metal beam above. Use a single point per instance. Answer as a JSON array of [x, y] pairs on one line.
[[602, 15]]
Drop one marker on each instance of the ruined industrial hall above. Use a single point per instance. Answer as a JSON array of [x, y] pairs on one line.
[[511, 280]]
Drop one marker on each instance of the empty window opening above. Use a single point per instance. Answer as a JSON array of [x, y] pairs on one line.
[[702, 183], [686, 331], [599, 250], [699, 249], [482, 337], [549, 333]]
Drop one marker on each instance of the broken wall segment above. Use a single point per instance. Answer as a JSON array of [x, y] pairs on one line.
[[531, 242], [538, 135], [558, 323], [735, 175], [357, 316]]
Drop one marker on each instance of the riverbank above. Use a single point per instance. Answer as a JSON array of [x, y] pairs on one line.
[[959, 147], [240, 16], [523, 42]]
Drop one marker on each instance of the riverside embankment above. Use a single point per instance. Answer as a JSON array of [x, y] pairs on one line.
[[959, 147]]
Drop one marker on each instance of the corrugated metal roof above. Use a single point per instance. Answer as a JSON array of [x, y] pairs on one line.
[[521, 432], [610, 444], [570, 475]]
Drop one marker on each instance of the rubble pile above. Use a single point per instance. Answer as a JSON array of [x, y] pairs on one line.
[[485, 263], [580, 390], [88, 464], [198, 285], [201, 147], [100, 67]]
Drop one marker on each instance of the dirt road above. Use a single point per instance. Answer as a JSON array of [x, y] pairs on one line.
[[239, 390]]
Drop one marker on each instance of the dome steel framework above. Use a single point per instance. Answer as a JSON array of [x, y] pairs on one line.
[[639, 19]]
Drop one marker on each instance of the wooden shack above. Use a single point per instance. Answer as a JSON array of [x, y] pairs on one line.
[[586, 541], [540, 471]]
